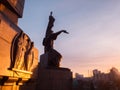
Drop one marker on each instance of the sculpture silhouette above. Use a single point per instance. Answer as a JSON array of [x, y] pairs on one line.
[[54, 57]]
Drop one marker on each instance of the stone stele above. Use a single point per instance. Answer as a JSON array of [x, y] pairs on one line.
[[18, 56]]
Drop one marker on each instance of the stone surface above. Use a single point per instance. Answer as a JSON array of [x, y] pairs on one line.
[[54, 79], [44, 60], [4, 10], [8, 31], [12, 78], [15, 6]]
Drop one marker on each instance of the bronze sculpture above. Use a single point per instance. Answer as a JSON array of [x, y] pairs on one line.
[[54, 57]]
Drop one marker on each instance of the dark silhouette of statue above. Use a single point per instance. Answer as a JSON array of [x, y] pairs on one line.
[[54, 57]]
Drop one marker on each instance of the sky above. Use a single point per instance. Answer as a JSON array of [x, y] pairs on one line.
[[93, 41]]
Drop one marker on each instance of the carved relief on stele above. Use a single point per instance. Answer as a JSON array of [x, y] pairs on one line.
[[23, 56]]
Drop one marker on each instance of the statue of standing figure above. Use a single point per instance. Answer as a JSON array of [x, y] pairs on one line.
[[23, 52], [20, 52], [29, 57], [54, 57]]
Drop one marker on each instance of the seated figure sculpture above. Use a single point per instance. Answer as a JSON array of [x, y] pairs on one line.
[[54, 57]]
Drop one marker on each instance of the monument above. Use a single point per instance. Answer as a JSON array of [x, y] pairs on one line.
[[19, 67], [18, 56], [53, 56], [50, 75]]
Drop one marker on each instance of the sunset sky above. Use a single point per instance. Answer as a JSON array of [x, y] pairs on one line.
[[94, 27]]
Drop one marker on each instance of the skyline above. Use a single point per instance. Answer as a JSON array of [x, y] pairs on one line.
[[94, 39]]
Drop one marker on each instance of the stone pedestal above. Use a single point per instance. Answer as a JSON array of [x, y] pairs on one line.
[[54, 79], [44, 60]]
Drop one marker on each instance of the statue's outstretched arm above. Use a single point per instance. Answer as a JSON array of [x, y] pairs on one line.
[[59, 32], [65, 31], [54, 35]]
